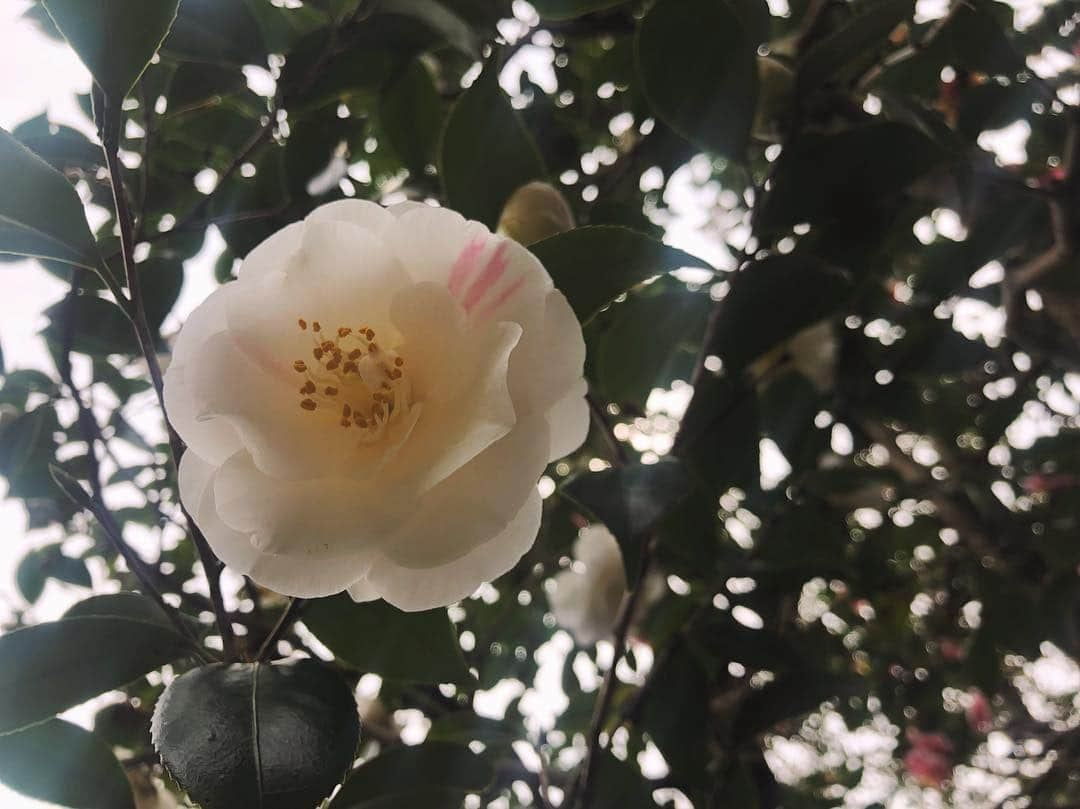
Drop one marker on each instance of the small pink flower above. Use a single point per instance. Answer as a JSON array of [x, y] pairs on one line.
[[978, 713], [929, 760]]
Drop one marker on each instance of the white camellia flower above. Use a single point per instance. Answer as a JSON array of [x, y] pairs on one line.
[[587, 595], [370, 406]]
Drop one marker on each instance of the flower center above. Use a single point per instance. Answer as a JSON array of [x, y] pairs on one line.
[[353, 377]]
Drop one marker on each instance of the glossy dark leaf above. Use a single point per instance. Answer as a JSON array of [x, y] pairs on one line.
[[410, 112], [701, 78], [433, 775], [47, 668], [27, 447], [484, 137], [59, 762], [568, 9], [115, 39], [770, 301], [376, 637], [821, 178], [664, 322], [40, 213], [222, 32], [593, 265], [276, 736]]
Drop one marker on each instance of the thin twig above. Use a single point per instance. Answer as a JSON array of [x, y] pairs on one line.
[[211, 565], [288, 615], [911, 49], [583, 786], [92, 435]]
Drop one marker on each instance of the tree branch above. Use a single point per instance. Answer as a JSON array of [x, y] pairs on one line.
[[211, 564]]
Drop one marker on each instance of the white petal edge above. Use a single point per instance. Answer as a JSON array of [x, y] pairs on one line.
[[568, 419], [414, 590]]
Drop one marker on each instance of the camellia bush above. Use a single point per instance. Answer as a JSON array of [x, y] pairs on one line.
[[602, 405]]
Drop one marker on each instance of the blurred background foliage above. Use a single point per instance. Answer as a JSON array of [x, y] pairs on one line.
[[866, 518]]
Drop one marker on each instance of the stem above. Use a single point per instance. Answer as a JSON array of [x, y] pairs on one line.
[[91, 433], [211, 564], [142, 573], [627, 611], [288, 615]]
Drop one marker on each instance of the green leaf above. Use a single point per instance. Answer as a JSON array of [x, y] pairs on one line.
[[410, 112], [376, 637], [98, 326], [48, 668], [787, 697], [62, 147], [64, 764], [859, 38], [674, 722], [813, 176], [770, 301], [719, 433], [433, 775], [484, 138], [700, 78], [116, 39], [219, 32], [592, 266], [45, 563], [568, 9], [278, 736], [30, 577], [40, 213], [619, 784], [440, 19], [629, 500], [664, 322], [131, 606], [18, 385], [27, 447]]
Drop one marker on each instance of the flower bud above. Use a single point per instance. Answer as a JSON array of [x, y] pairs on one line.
[[534, 212]]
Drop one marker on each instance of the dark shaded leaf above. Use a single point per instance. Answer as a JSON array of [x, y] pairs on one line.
[[769, 302], [593, 265], [860, 37], [50, 667], [433, 775], [484, 137], [116, 39], [63, 764], [702, 78], [376, 637], [820, 178], [410, 112], [40, 213], [278, 736]]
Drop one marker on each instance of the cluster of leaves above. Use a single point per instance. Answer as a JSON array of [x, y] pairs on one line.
[[843, 129]]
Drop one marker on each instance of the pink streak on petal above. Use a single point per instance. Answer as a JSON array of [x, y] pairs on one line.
[[496, 266], [465, 264], [502, 298]]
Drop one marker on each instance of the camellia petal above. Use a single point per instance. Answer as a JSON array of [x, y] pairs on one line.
[[303, 575], [370, 405], [412, 589], [568, 420]]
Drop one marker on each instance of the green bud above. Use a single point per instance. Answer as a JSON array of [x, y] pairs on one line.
[[534, 212]]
